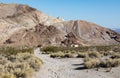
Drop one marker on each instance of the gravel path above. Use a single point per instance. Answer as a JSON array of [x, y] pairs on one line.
[[70, 68]]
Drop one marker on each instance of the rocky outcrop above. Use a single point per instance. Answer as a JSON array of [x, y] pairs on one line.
[[90, 33], [40, 35]]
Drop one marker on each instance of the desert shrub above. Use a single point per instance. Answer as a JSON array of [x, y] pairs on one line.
[[94, 54], [103, 48], [92, 63], [3, 60], [115, 55], [106, 63], [15, 50], [7, 75], [57, 54], [89, 55], [96, 62], [35, 63], [87, 58], [82, 55], [64, 54], [21, 65], [69, 55], [105, 53], [116, 62], [23, 73], [110, 63], [116, 48], [49, 49], [28, 73], [70, 51]]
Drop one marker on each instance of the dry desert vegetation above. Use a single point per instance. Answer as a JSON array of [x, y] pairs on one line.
[[93, 56], [18, 62]]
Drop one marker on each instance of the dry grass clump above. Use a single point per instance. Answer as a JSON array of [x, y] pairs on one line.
[[110, 63], [94, 54], [7, 75], [96, 62], [82, 55], [95, 59], [51, 49], [116, 48], [115, 55], [69, 55], [92, 63], [73, 54], [87, 58], [106, 53], [81, 52], [21, 65], [57, 55], [15, 50], [60, 54], [103, 48], [92, 50]]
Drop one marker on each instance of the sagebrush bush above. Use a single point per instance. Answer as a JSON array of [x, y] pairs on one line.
[[96, 62], [94, 54], [65, 54], [49, 49], [21, 65], [7, 75], [69, 55], [82, 48], [57, 54], [15, 50], [87, 58], [115, 55], [116, 48], [82, 54], [110, 63], [92, 63]]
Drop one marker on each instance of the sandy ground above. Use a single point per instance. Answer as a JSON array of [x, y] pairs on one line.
[[70, 68]]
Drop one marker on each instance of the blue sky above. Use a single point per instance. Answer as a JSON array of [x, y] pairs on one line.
[[103, 12]]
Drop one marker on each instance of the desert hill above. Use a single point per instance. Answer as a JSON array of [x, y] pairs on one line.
[[14, 17], [90, 33], [24, 25]]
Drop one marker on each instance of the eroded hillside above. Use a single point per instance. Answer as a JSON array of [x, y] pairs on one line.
[[24, 25]]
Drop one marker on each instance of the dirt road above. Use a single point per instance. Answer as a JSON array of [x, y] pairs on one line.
[[70, 68]]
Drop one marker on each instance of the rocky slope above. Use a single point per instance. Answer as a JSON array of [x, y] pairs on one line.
[[90, 33], [14, 17], [23, 25]]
